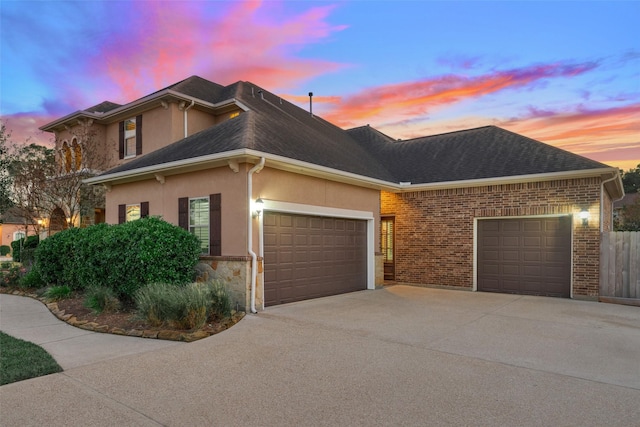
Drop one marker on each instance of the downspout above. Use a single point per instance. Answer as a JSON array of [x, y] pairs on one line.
[[185, 117], [615, 176], [254, 258]]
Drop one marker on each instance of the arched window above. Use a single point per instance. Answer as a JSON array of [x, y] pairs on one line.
[[77, 155], [67, 156]]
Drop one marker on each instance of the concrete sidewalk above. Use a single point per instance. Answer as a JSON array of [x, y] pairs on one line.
[[395, 356], [31, 320]]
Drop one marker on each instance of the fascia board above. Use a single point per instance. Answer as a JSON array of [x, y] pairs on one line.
[[141, 103], [274, 161], [305, 168], [149, 171], [506, 180]]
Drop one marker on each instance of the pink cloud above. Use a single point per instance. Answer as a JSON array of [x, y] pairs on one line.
[[404, 100], [171, 40], [24, 128]]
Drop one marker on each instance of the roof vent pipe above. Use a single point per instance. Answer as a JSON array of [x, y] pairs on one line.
[[261, 94], [311, 103]]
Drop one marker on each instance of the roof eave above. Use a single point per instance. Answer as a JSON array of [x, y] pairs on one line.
[[550, 176], [219, 159], [141, 104]]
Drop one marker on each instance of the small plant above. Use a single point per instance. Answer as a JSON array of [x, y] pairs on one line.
[[186, 307], [32, 279], [99, 299], [4, 250], [57, 293], [12, 277], [157, 302], [220, 303], [5, 265]]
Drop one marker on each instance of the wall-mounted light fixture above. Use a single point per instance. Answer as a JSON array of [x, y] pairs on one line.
[[258, 207], [584, 216]]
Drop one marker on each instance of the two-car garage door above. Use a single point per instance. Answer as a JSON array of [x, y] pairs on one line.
[[525, 256], [311, 256]]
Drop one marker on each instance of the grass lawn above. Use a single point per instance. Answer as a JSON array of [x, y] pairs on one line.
[[21, 360]]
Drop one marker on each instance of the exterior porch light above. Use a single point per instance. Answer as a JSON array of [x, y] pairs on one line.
[[258, 206], [584, 216]]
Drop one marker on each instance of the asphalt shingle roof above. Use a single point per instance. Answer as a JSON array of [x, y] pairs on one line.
[[278, 127]]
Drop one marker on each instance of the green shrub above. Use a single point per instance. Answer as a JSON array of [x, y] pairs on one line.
[[184, 307], [18, 246], [122, 257], [56, 257], [32, 279], [99, 299], [56, 293], [6, 265], [220, 303], [4, 250], [157, 302]]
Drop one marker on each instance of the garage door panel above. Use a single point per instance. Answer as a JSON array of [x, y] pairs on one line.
[[531, 256], [329, 257]]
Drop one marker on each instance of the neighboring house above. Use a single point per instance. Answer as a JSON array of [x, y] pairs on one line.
[[14, 226], [291, 207]]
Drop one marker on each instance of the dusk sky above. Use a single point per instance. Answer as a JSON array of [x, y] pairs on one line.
[[566, 73]]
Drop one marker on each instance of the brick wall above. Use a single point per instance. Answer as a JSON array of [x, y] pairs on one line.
[[434, 229]]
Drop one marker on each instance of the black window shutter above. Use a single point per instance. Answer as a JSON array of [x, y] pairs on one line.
[[183, 212], [121, 142], [138, 135], [122, 214], [215, 224], [144, 209]]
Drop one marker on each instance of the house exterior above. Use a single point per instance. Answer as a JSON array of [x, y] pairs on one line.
[[14, 225], [291, 207]]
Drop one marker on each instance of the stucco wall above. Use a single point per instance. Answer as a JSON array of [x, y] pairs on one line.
[[434, 229]]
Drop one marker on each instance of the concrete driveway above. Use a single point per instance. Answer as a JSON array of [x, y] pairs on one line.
[[396, 356]]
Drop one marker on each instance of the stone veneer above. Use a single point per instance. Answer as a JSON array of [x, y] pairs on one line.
[[235, 273], [435, 229]]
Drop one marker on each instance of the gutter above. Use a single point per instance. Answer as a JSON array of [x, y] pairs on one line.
[[193, 102], [254, 258], [615, 175]]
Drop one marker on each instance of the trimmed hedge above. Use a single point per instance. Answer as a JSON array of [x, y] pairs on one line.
[[31, 242], [122, 257], [5, 250]]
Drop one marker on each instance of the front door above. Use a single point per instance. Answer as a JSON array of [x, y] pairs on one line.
[[387, 243]]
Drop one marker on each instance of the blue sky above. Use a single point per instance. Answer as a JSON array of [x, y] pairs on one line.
[[564, 72]]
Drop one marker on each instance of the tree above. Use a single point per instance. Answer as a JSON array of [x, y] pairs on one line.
[[631, 180], [30, 169], [629, 219], [46, 185], [5, 177]]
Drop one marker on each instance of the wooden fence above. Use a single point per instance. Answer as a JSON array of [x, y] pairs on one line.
[[620, 267]]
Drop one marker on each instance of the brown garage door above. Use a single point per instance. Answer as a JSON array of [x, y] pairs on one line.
[[309, 257], [529, 256]]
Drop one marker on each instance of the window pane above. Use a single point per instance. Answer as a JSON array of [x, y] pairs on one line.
[[133, 212], [199, 221], [130, 146]]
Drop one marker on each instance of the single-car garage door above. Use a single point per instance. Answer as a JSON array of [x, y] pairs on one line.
[[529, 256], [309, 257]]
